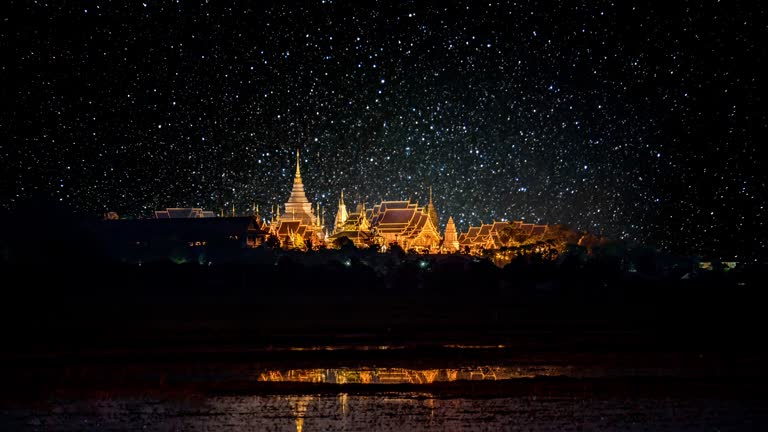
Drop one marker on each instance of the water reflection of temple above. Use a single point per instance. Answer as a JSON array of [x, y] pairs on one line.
[[400, 375]]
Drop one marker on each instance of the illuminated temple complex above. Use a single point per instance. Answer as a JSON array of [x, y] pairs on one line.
[[300, 224]]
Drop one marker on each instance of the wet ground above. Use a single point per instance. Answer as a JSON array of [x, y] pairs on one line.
[[389, 411], [385, 388]]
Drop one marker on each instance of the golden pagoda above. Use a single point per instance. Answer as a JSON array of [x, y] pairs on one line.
[[450, 240], [341, 214], [298, 206], [300, 219]]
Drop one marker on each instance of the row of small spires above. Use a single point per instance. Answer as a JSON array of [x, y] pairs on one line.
[[319, 214], [255, 212]]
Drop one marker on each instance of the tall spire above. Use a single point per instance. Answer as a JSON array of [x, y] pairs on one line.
[[298, 169], [431, 209]]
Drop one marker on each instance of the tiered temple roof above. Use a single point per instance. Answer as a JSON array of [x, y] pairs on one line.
[[406, 223], [491, 236], [402, 222]]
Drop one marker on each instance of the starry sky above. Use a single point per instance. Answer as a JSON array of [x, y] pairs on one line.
[[640, 121]]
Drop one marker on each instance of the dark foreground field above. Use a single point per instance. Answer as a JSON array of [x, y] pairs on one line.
[[456, 346]]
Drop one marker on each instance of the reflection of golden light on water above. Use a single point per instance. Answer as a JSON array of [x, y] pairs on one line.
[[376, 347], [344, 403], [406, 375], [451, 374], [299, 406], [474, 346], [339, 347], [431, 404], [366, 377]]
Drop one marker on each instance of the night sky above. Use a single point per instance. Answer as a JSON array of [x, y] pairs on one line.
[[633, 121]]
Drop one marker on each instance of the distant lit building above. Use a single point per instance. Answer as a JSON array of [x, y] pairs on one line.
[[183, 213], [143, 239]]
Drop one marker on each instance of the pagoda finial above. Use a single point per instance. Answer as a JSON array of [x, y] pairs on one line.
[[341, 201], [430, 194], [298, 169]]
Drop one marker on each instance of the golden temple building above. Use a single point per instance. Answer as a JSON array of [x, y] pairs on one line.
[[391, 222], [406, 224], [499, 234], [355, 226]]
